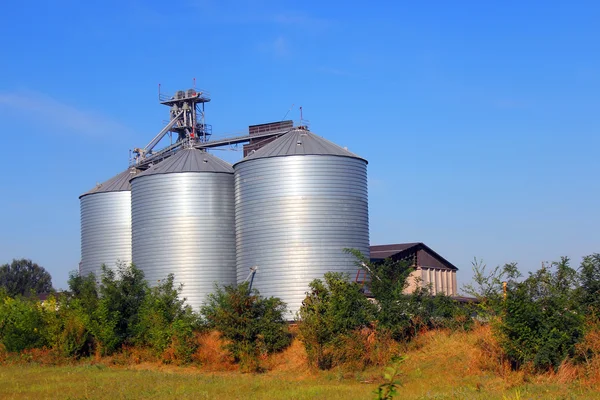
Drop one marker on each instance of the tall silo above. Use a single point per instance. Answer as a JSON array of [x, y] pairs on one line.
[[300, 200], [106, 224], [183, 222]]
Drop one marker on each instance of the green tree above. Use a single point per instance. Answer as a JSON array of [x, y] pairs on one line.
[[24, 277], [589, 277], [253, 325]]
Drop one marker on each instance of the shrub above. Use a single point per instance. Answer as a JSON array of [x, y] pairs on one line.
[[183, 342], [114, 313], [22, 324], [252, 324], [542, 319], [364, 347], [66, 327], [166, 323], [331, 311]]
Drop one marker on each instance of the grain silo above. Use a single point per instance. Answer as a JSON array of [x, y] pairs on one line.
[[183, 222], [106, 224], [300, 200]]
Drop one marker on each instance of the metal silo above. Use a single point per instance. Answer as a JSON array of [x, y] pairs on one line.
[[300, 200], [183, 222], [106, 224]]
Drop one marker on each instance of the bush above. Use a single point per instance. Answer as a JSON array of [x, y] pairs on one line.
[[542, 319], [331, 311], [166, 323], [252, 324], [22, 324], [113, 306], [67, 327]]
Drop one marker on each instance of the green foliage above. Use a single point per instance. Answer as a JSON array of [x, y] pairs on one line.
[[24, 277], [332, 309], [67, 326], [121, 296], [404, 314], [22, 324], [83, 292], [388, 389], [183, 339], [487, 287], [590, 283], [166, 322], [542, 319], [251, 323]]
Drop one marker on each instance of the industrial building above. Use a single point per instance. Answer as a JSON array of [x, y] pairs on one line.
[[430, 269], [280, 217]]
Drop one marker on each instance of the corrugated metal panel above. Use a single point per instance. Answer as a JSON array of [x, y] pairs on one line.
[[183, 223], [189, 160], [105, 230], [299, 142], [294, 217], [118, 183]]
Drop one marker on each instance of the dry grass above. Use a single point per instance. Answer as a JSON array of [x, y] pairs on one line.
[[440, 365], [210, 354]]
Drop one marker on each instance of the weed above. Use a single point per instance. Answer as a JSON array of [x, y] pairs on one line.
[[388, 389]]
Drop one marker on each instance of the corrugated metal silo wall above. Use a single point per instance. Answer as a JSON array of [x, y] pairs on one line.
[[183, 223], [294, 217], [105, 231]]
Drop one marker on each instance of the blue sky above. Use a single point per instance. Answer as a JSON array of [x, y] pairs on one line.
[[479, 119]]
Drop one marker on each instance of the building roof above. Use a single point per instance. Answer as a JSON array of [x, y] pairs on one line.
[[426, 257], [118, 183], [298, 142], [189, 160]]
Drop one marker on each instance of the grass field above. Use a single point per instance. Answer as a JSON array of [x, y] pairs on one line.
[[439, 366]]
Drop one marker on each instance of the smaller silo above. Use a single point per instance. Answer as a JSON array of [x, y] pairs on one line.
[[106, 224], [183, 223]]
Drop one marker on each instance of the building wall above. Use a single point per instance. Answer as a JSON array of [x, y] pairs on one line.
[[414, 280], [442, 280]]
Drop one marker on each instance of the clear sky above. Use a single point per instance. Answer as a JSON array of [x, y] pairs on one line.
[[480, 120]]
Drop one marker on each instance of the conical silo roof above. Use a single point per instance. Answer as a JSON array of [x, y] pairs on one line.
[[298, 142], [118, 183], [189, 160]]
